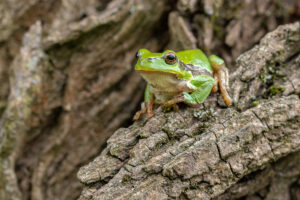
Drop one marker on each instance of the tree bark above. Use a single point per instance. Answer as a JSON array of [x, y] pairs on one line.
[[249, 150], [67, 84]]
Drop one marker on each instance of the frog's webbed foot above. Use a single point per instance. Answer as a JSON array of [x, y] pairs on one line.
[[146, 108], [176, 99], [139, 113], [173, 102]]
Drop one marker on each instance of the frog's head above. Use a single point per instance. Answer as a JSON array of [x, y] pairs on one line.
[[164, 63]]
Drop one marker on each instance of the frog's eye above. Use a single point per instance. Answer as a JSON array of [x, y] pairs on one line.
[[170, 58]]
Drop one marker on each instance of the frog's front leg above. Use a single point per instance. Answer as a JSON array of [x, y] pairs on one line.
[[202, 86], [147, 105], [221, 77]]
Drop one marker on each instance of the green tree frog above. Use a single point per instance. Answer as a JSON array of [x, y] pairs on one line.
[[186, 76]]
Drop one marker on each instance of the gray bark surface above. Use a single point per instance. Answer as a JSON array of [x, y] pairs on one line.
[[214, 152], [67, 82]]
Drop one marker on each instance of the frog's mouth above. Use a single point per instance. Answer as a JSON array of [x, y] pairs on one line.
[[155, 72]]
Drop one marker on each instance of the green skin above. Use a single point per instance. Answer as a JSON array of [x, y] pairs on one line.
[[190, 79]]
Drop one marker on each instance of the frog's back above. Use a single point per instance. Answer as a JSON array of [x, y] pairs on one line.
[[195, 57]]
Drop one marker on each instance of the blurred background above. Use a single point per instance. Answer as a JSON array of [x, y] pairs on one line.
[[67, 78]]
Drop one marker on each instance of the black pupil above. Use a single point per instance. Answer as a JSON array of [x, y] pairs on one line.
[[171, 57], [137, 55]]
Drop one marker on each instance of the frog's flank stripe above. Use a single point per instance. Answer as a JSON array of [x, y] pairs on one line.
[[195, 69]]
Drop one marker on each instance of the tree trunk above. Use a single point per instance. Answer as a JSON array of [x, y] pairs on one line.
[[67, 84], [250, 150]]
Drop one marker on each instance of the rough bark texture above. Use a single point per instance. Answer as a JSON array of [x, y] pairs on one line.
[[214, 152], [67, 84]]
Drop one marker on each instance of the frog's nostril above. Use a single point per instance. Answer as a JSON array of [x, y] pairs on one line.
[[137, 55]]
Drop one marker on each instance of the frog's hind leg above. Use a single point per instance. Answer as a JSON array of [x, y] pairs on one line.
[[221, 76], [223, 84], [215, 87], [226, 79]]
